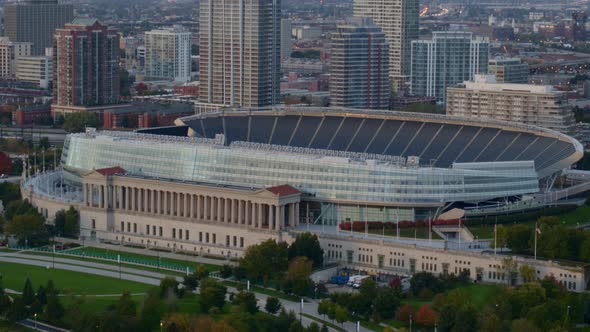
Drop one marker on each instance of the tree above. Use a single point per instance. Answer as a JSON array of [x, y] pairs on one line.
[[297, 278], [490, 322], [404, 312], [60, 221], [273, 305], [422, 280], [5, 164], [54, 310], [28, 293], [212, 294], [501, 237], [425, 316], [307, 245], [465, 319], [247, 301], [77, 122], [201, 272], [72, 222], [17, 310], [265, 261], [520, 325], [151, 311], [44, 143], [126, 306], [584, 255], [518, 238], [527, 273], [313, 327], [169, 286], [177, 322], [324, 307], [340, 314], [226, 271], [28, 229], [386, 303]]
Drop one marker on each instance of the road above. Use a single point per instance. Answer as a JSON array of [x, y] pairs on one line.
[[151, 278], [55, 136]]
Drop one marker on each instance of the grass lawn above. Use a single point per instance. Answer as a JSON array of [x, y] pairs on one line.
[[107, 262], [150, 257], [478, 294], [188, 304], [14, 276], [6, 326], [324, 322]]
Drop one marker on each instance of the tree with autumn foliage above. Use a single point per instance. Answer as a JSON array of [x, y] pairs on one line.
[[5, 163], [404, 312], [426, 316]]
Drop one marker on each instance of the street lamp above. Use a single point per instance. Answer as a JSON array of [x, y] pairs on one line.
[[35, 320], [161, 325], [410, 323]]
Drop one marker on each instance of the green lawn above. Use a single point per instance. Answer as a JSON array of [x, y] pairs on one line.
[[580, 215], [149, 257], [14, 276], [107, 262], [478, 294]]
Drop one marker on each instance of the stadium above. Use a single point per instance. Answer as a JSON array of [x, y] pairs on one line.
[[349, 164], [216, 183]]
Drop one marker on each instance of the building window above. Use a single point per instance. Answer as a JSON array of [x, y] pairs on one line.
[[128, 227], [235, 241], [207, 237], [93, 223], [200, 236], [174, 233], [154, 230], [180, 234], [161, 231], [147, 229], [214, 238], [241, 242], [122, 226], [186, 235], [227, 240], [134, 227]]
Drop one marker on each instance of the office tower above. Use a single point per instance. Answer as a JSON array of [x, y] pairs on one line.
[[240, 52], [484, 98], [37, 70], [509, 70], [86, 57], [34, 21], [450, 58], [359, 74], [399, 21], [168, 54], [286, 43], [10, 53]]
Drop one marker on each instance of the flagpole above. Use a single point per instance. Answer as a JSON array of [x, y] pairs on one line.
[[495, 238], [536, 231]]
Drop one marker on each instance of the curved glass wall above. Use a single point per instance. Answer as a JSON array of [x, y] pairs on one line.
[[327, 177]]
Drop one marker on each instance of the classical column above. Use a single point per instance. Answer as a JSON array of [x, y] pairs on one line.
[[233, 211], [192, 208], [292, 215], [240, 207], [226, 210], [165, 193], [219, 209], [271, 217], [101, 196], [297, 217], [152, 201], [178, 205], [259, 225], [281, 216], [253, 214], [206, 207], [199, 207]]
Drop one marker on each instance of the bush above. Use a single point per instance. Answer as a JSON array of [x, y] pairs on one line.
[[404, 312], [226, 271], [273, 305]]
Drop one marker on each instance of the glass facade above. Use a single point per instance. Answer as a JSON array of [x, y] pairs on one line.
[[328, 178]]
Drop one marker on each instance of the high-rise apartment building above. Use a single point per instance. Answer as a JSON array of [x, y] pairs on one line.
[[36, 70], [86, 56], [10, 53], [34, 21], [509, 70], [399, 21], [168, 54], [484, 98], [359, 74], [240, 52], [449, 58], [286, 43]]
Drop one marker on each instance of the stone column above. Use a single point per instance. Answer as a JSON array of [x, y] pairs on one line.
[[233, 211], [253, 214], [219, 209], [178, 205], [281, 216], [101, 196], [259, 225], [199, 207], [165, 193], [271, 217], [297, 217], [192, 208], [292, 215], [240, 207]]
